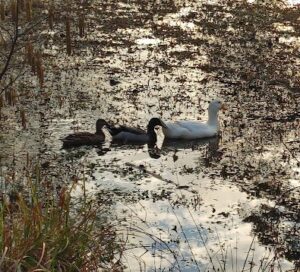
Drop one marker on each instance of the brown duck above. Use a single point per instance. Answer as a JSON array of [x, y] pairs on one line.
[[86, 138]]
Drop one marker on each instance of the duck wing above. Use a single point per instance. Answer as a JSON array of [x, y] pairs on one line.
[[131, 138], [199, 129], [117, 130], [192, 125], [175, 131], [82, 138], [189, 130], [78, 135]]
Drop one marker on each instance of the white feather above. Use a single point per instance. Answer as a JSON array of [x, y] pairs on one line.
[[195, 129]]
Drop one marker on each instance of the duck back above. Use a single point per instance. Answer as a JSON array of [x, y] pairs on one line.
[[189, 130], [128, 137], [82, 138], [114, 131]]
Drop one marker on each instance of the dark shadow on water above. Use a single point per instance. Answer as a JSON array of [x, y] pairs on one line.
[[77, 152], [211, 145], [153, 150]]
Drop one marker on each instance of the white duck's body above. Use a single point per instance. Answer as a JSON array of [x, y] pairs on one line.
[[190, 130]]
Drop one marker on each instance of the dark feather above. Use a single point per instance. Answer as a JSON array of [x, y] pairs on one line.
[[116, 130], [81, 135], [86, 138], [83, 138], [126, 135]]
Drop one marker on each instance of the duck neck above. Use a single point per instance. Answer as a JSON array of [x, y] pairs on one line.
[[99, 131], [151, 133], [213, 118]]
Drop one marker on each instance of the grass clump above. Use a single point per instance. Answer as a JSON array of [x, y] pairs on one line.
[[49, 234]]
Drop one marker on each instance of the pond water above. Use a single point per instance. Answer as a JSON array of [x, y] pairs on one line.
[[175, 215], [229, 203]]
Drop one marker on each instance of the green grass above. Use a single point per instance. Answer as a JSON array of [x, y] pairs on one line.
[[49, 234]]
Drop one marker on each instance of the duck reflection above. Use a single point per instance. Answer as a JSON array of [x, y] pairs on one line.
[[209, 145], [172, 144], [171, 147], [153, 151], [72, 153]]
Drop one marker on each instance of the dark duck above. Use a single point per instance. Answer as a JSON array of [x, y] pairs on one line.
[[130, 135], [86, 138]]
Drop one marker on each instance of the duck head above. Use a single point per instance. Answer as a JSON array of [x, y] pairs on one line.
[[215, 105], [150, 128], [213, 109], [155, 122], [100, 124]]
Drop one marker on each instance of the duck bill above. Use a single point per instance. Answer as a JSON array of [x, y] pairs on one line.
[[163, 124], [223, 107]]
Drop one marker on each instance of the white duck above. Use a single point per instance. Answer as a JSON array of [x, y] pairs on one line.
[[195, 129]]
